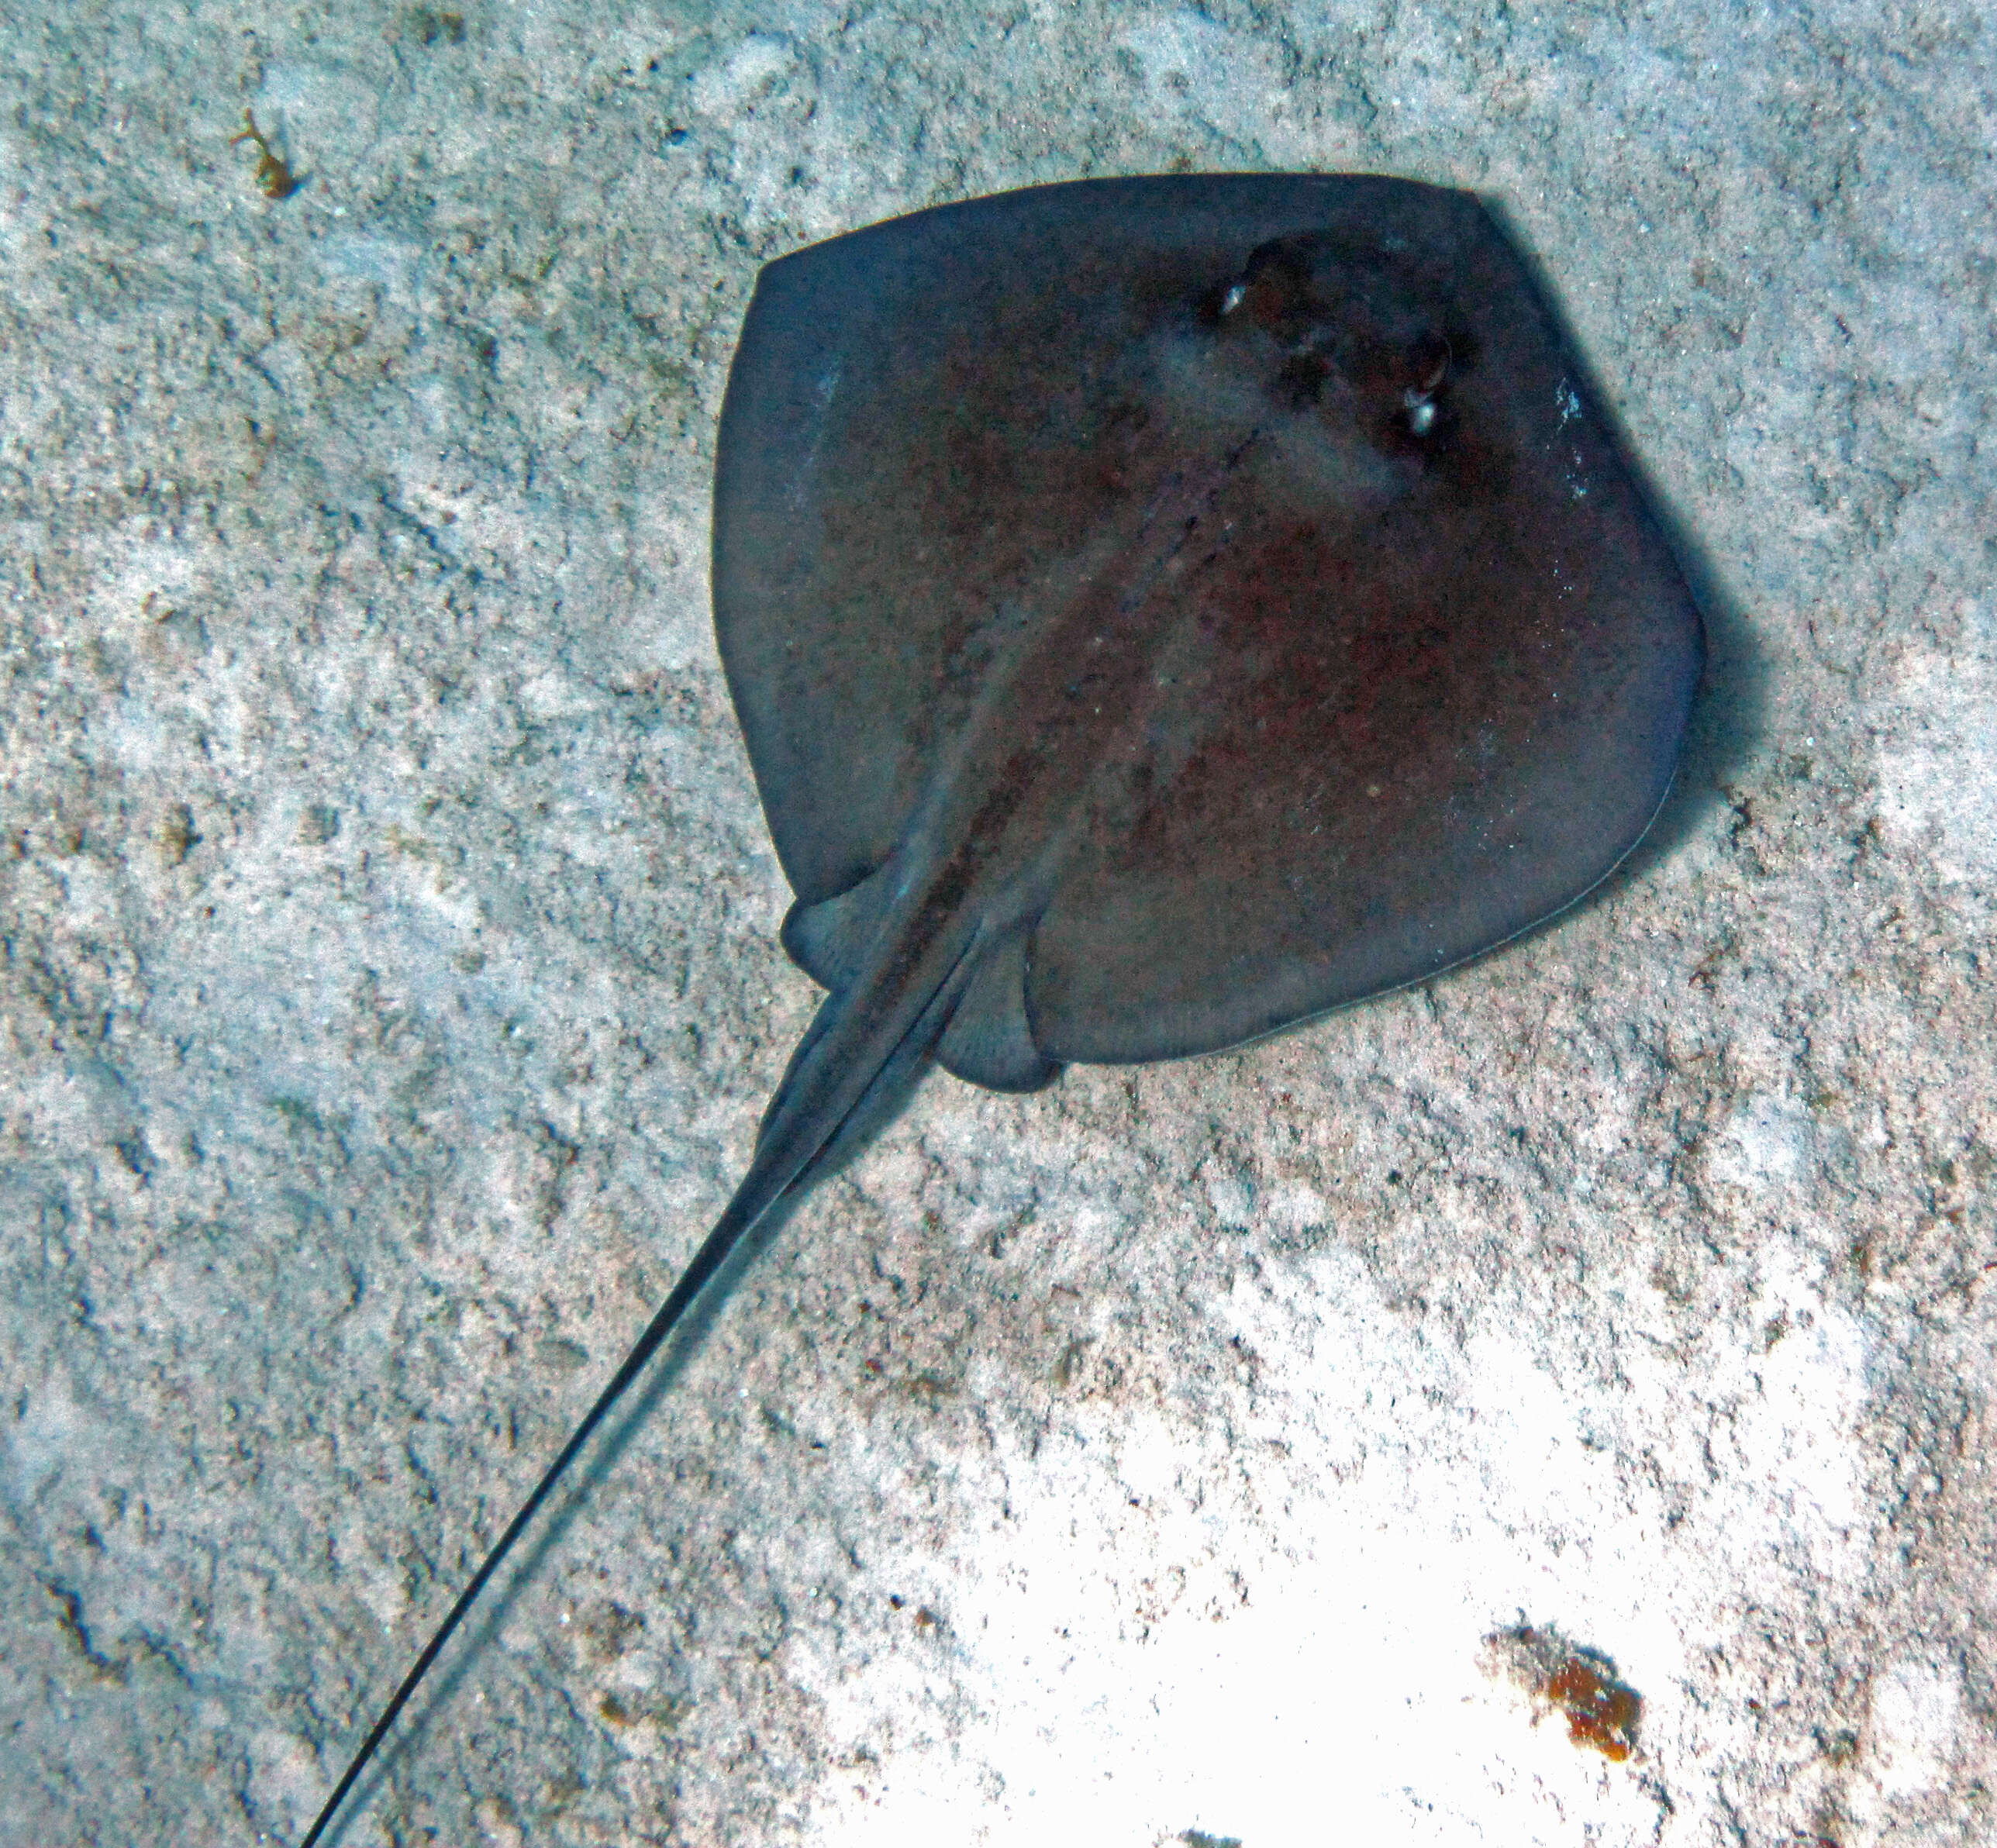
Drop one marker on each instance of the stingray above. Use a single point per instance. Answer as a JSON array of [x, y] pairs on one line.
[[1159, 611]]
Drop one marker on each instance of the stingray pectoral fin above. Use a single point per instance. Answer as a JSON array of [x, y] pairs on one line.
[[829, 940], [989, 1040]]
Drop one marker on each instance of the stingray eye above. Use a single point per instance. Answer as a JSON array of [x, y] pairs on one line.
[[1429, 364], [1271, 291]]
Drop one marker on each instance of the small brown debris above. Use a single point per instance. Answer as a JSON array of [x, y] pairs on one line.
[[1581, 1683], [430, 28], [274, 178], [175, 836]]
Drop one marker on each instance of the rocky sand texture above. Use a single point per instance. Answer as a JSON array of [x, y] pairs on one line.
[[1311, 1445]]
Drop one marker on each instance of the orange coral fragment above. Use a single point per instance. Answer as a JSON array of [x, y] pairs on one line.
[[1599, 1713], [1580, 1683]]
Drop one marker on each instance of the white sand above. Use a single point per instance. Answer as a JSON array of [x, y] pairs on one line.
[[389, 989]]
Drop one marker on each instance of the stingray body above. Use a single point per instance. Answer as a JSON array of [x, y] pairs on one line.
[[1160, 610], [1145, 641]]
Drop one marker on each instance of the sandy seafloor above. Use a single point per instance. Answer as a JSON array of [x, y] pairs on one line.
[[390, 990]]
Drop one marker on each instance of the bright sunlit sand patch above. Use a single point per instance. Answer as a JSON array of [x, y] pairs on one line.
[[1120, 1665]]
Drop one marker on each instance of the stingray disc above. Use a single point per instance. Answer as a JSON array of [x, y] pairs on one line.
[[1416, 660]]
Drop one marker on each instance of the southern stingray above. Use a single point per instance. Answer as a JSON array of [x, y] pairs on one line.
[[1159, 611]]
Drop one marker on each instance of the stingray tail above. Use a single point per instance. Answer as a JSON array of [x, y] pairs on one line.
[[838, 1093]]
